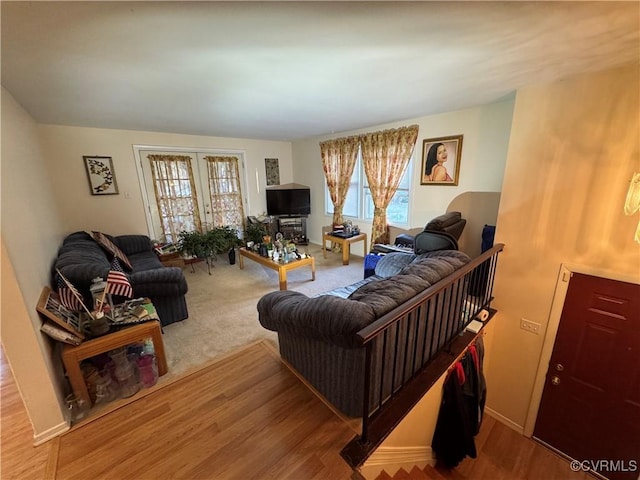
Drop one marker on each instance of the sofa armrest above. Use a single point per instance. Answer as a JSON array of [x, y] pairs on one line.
[[159, 281], [328, 318], [131, 244]]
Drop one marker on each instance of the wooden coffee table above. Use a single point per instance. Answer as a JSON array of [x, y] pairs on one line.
[[281, 268]]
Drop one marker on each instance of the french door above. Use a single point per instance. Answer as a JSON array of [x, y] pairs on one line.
[[192, 190]]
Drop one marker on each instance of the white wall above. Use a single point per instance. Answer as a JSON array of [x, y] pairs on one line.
[[574, 146], [117, 214], [484, 151], [31, 233]]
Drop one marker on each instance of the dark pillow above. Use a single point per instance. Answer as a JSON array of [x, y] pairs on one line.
[[110, 247]]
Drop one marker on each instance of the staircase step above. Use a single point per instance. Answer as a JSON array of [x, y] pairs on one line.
[[433, 473], [417, 474], [402, 474], [383, 476]]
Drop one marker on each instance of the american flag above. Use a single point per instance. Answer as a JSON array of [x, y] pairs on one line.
[[66, 293], [117, 281]]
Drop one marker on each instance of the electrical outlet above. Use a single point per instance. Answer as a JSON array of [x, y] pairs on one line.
[[529, 326]]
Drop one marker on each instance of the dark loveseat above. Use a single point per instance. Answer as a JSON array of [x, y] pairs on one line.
[[81, 259], [317, 335]]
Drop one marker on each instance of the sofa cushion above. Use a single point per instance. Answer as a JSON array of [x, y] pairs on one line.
[[344, 292], [392, 263], [432, 271], [112, 248], [387, 293]]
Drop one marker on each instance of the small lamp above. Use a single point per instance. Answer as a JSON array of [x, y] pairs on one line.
[[632, 203]]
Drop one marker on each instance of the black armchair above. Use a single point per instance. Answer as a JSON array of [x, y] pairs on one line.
[[450, 222]]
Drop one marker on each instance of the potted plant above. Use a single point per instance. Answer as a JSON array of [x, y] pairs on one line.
[[254, 232], [194, 244], [226, 240]]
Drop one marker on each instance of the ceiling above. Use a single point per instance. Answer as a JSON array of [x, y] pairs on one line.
[[291, 70]]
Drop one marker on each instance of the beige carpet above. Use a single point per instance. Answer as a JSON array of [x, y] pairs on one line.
[[222, 307]]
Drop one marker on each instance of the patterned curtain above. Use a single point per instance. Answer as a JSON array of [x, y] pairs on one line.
[[225, 192], [175, 194], [385, 155], [338, 160]]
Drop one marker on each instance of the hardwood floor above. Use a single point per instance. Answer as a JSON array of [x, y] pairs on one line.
[[504, 454], [19, 459], [244, 417]]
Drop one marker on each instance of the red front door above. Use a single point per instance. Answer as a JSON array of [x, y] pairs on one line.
[[590, 408]]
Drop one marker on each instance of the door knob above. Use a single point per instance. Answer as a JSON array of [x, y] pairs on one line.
[[555, 381]]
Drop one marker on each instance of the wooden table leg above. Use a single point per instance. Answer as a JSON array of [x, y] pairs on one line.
[[72, 366], [324, 244], [282, 276], [313, 269], [346, 251], [158, 349], [241, 261]]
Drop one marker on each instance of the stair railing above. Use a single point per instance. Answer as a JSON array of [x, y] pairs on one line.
[[402, 343]]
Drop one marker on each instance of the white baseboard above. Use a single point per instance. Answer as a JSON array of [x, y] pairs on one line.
[[40, 438], [392, 459], [504, 420]]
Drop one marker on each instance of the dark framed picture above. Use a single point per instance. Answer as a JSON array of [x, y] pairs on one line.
[[441, 160], [101, 176], [272, 170]]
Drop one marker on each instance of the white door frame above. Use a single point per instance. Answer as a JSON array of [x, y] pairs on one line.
[[163, 148], [562, 285]]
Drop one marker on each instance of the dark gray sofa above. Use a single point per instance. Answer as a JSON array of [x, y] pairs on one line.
[[317, 335], [81, 259]]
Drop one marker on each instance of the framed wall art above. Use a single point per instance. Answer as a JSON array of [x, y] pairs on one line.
[[441, 160], [272, 170], [50, 307], [101, 176]]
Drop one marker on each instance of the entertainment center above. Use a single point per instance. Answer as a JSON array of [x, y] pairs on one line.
[[290, 204]]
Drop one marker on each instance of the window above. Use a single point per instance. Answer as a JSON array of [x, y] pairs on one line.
[[225, 192], [359, 203], [175, 194]]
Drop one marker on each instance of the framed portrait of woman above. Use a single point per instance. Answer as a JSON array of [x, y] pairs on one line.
[[441, 160]]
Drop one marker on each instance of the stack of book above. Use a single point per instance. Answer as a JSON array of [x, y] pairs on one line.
[[132, 312]]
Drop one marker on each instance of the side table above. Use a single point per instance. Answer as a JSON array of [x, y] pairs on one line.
[[346, 244], [73, 355]]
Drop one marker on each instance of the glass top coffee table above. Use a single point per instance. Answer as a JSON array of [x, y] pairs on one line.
[[281, 268]]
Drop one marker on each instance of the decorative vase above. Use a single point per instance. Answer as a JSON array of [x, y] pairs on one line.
[[106, 390], [232, 256], [148, 370], [77, 408], [125, 373]]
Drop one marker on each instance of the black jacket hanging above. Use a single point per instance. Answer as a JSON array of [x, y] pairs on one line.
[[461, 409], [453, 438]]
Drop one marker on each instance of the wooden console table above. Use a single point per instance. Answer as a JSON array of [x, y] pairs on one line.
[[346, 244], [73, 355]]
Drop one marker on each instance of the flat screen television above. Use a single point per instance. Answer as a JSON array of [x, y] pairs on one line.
[[283, 201]]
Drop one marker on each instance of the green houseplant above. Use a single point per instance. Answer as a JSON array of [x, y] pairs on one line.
[[224, 240], [217, 240], [192, 243], [255, 231]]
